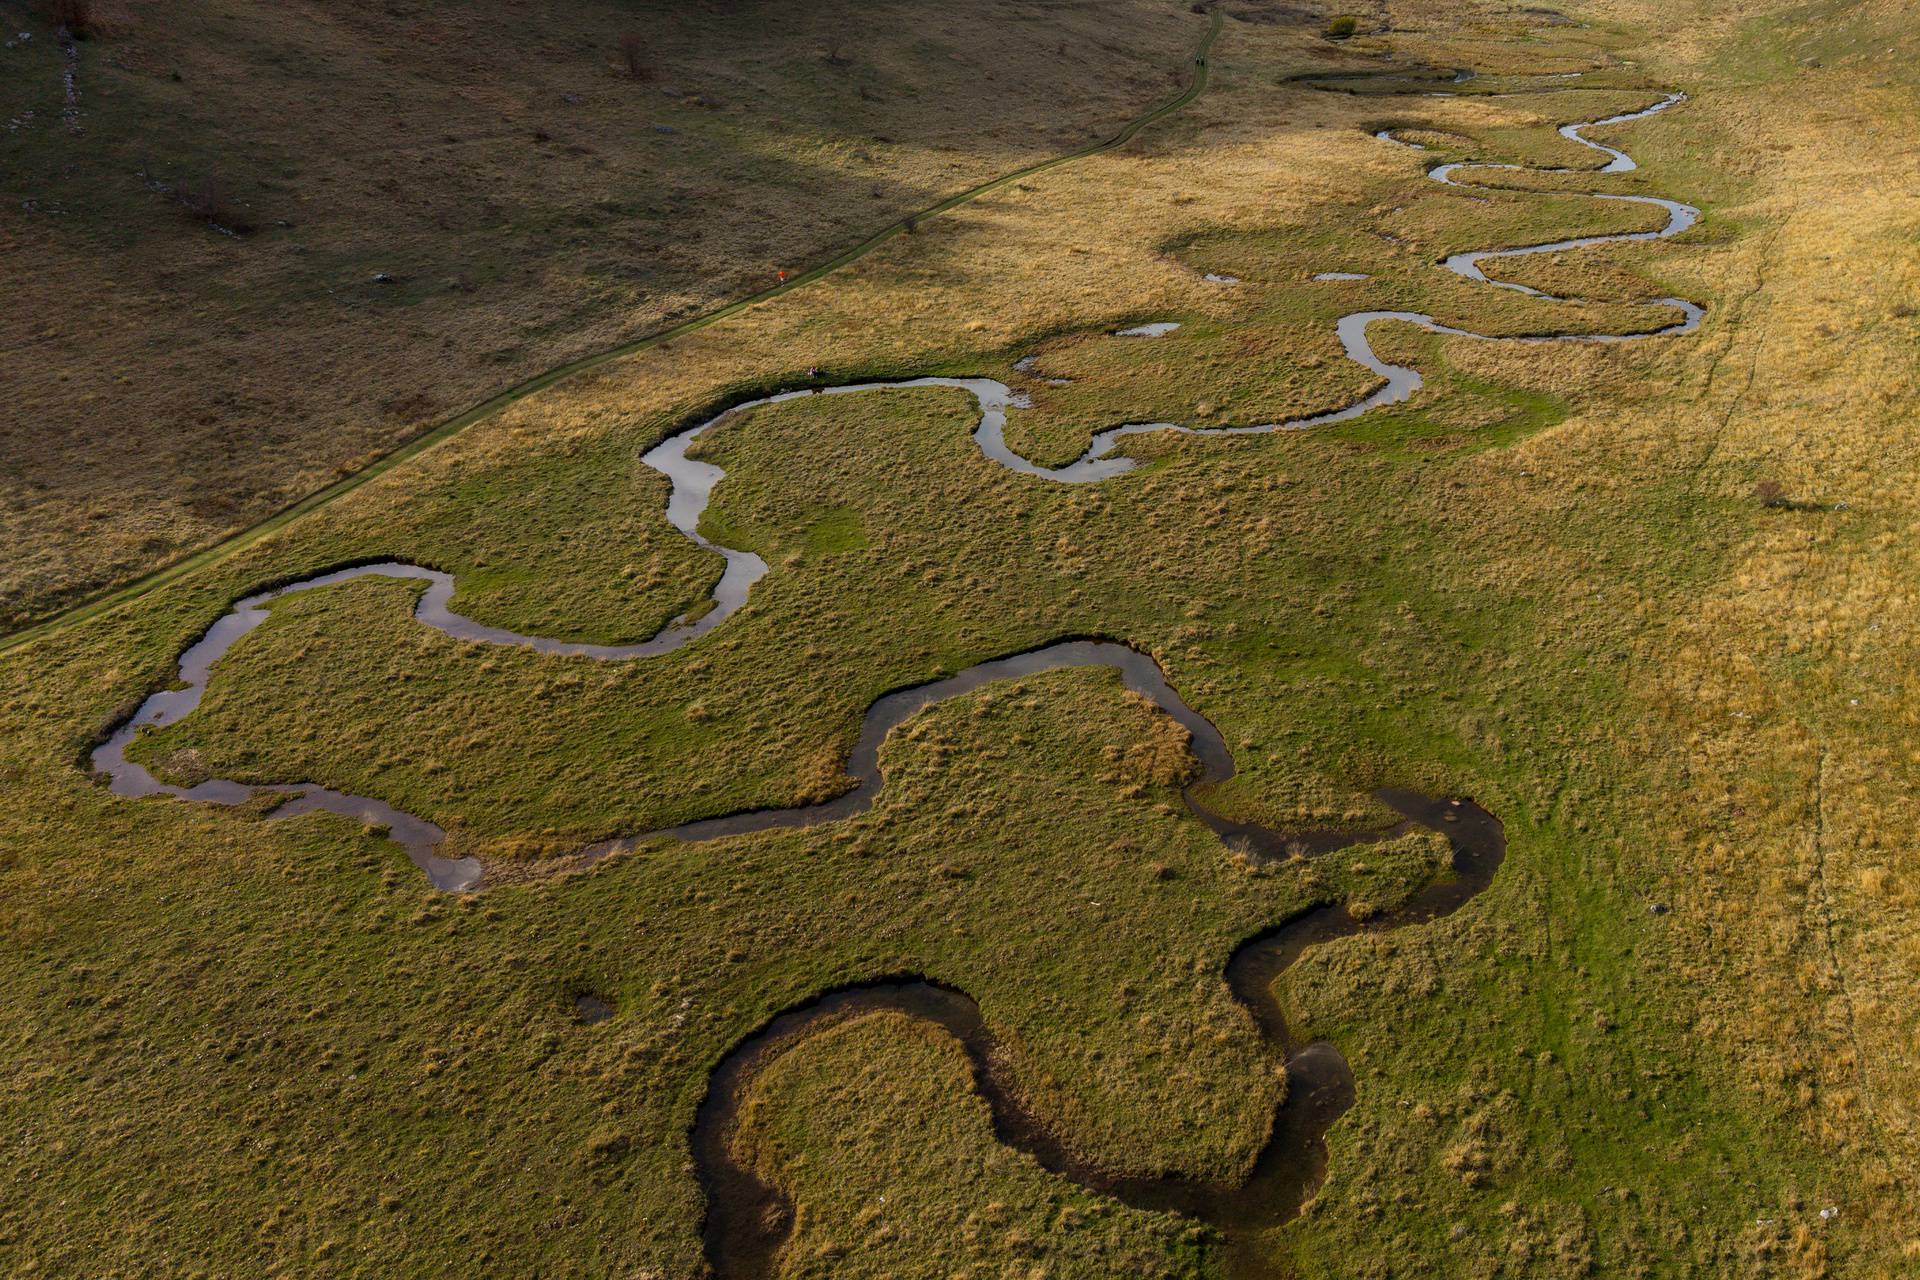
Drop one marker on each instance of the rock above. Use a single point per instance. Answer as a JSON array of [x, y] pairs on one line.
[[381, 277]]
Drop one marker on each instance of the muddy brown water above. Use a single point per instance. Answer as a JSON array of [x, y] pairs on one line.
[[748, 1219]]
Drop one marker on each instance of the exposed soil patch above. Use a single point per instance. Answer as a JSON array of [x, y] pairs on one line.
[[591, 1008]]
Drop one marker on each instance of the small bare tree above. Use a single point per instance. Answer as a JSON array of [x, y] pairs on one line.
[[76, 16], [209, 201], [633, 52]]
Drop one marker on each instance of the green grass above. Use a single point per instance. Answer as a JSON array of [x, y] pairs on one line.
[[836, 530], [1366, 592], [825, 1117], [238, 1045], [796, 279]]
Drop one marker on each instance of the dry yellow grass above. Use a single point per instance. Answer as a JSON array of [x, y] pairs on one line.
[[165, 383], [1677, 696]]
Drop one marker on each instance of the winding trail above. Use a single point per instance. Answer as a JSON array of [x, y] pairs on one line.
[[693, 482]]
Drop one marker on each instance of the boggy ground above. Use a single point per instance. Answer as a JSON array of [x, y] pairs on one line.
[[245, 1044]]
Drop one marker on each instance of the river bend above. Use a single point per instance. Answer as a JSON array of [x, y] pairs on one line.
[[693, 482]]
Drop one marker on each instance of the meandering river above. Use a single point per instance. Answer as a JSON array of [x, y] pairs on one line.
[[745, 1224], [693, 482]]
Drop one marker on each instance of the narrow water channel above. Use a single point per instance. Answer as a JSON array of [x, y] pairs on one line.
[[748, 1219], [693, 482]]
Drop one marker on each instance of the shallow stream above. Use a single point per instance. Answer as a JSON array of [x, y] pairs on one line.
[[746, 1224]]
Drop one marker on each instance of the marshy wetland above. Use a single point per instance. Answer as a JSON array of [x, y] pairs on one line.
[[1291, 697], [693, 482], [746, 1217]]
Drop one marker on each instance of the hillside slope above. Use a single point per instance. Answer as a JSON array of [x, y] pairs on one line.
[[266, 241]]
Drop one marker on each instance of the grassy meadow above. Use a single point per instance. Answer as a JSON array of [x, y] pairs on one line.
[[1673, 1038], [270, 242]]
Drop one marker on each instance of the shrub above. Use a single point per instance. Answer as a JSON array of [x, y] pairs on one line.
[[75, 15], [210, 202], [1343, 27], [633, 52], [1768, 493]]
